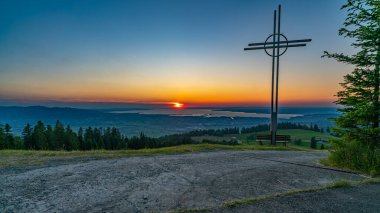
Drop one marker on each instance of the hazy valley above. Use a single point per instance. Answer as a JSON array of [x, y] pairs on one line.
[[158, 124]]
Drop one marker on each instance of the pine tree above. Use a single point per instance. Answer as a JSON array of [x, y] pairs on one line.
[[70, 142], [316, 128], [88, 138], [107, 138], [27, 136], [2, 139], [358, 125], [50, 137], [8, 129], [313, 143], [59, 135], [117, 139], [98, 139], [80, 139], [39, 136], [9, 140]]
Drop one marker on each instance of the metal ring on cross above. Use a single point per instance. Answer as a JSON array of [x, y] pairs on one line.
[[275, 52]]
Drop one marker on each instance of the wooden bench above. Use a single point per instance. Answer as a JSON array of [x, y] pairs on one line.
[[279, 139]]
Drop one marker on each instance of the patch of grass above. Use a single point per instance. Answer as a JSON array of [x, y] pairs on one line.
[[196, 210], [20, 158], [370, 181], [304, 134], [212, 138], [325, 162], [297, 133], [337, 184], [237, 202], [248, 138]]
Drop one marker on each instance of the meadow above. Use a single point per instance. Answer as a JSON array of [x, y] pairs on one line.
[[249, 138]]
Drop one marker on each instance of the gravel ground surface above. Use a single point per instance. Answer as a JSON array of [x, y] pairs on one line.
[[353, 199], [161, 183]]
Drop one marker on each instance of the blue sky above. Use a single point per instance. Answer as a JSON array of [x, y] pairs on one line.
[[165, 50]]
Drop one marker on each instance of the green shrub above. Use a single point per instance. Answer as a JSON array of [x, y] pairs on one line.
[[322, 146], [355, 155], [298, 142], [313, 143]]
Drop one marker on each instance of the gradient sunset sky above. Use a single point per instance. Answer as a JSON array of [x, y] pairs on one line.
[[158, 51]]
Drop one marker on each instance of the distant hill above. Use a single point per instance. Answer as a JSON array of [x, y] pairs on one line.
[[40, 112], [128, 123], [152, 125]]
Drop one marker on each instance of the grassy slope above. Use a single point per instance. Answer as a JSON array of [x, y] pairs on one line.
[[19, 158], [15, 158], [304, 135]]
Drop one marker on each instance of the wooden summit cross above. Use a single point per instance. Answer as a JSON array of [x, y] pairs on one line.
[[275, 42]]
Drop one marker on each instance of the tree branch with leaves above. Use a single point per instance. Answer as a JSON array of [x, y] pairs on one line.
[[358, 124]]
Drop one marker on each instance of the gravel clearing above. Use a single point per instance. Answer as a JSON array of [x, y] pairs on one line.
[[160, 183]]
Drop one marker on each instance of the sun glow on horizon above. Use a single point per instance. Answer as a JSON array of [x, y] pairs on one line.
[[177, 105]]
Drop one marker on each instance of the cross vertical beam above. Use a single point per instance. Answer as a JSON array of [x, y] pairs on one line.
[[272, 123], [276, 45], [274, 117]]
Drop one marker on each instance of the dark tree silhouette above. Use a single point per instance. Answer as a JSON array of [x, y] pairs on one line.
[[27, 136], [313, 143], [39, 137], [59, 135]]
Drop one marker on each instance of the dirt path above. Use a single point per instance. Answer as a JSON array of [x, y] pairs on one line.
[[161, 183]]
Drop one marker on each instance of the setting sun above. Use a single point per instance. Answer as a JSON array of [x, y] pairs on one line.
[[177, 105]]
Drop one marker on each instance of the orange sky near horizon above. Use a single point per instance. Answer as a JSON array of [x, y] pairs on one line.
[[227, 91], [193, 83]]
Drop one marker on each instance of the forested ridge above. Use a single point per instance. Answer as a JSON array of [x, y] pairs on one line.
[[61, 137]]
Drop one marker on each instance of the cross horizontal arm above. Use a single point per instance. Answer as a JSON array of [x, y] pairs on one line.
[[281, 42], [270, 47]]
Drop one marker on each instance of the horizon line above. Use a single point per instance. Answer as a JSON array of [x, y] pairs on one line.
[[116, 104]]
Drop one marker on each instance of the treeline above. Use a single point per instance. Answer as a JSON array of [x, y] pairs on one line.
[[7, 140], [214, 132], [60, 137], [284, 125], [254, 129]]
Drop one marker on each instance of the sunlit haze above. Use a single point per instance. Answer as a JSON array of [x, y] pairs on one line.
[[178, 105]]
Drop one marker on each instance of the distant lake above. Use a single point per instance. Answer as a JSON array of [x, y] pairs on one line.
[[204, 113]]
